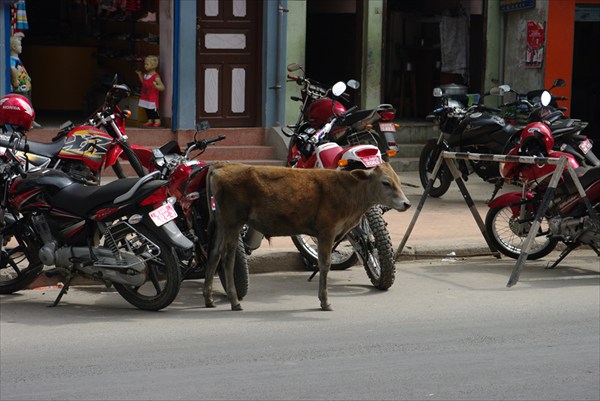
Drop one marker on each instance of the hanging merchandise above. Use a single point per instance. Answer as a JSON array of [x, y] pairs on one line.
[[536, 36], [18, 17]]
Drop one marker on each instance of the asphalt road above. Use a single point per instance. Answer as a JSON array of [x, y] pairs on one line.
[[446, 330]]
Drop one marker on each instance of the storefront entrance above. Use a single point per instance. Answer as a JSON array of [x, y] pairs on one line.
[[228, 60]]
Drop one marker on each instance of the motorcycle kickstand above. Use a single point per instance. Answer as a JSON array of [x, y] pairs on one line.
[[563, 255], [314, 266], [68, 276]]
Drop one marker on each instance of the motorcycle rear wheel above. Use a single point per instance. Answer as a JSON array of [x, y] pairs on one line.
[[17, 269], [508, 236], [342, 256], [379, 260], [427, 161], [163, 277]]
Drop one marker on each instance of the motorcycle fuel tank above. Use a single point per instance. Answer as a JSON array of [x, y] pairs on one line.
[[482, 128], [321, 110], [24, 191]]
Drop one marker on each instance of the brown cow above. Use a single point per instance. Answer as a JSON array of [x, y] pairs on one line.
[[281, 201]]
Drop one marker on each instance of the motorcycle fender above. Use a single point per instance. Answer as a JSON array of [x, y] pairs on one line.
[[174, 236], [508, 199]]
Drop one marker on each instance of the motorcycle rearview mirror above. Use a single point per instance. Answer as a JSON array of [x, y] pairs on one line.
[[338, 89], [202, 126], [437, 92], [559, 83], [353, 83], [546, 98], [294, 67]]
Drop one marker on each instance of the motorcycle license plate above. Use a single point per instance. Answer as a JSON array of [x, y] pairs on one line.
[[387, 127], [163, 214], [371, 161], [585, 146]]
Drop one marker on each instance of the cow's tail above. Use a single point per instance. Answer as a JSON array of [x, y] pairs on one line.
[[212, 204]]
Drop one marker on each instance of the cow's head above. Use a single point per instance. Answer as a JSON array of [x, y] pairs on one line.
[[384, 187]]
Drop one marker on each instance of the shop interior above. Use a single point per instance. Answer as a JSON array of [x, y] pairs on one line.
[[73, 49], [418, 58]]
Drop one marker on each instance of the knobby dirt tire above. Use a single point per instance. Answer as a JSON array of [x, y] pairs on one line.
[[133, 159], [118, 169], [428, 158], [382, 276], [164, 278], [499, 227], [339, 260], [241, 272]]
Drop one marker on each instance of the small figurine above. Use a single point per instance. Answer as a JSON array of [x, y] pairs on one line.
[[20, 80], [151, 86]]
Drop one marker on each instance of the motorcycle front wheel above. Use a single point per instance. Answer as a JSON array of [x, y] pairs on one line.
[[427, 160], [377, 252], [508, 234], [133, 160], [342, 256], [163, 276]]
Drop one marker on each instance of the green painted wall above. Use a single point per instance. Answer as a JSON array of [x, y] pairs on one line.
[[295, 53], [372, 52]]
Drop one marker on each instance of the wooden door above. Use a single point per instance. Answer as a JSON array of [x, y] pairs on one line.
[[228, 60]]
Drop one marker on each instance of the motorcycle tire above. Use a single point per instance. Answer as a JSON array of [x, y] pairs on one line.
[[133, 159], [164, 277], [342, 257], [19, 265], [427, 161], [241, 272], [118, 169], [508, 236], [379, 262]]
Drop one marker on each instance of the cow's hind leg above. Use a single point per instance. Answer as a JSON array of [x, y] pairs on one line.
[[228, 261], [325, 246], [214, 257]]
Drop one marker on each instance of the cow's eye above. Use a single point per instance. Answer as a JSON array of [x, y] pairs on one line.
[[386, 183]]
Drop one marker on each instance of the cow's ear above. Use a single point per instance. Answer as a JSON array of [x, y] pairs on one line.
[[361, 174]]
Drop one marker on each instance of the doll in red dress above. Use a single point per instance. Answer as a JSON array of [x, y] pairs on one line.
[[151, 86]]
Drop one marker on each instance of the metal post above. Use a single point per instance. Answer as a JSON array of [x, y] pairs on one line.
[[434, 174], [514, 277], [471, 205]]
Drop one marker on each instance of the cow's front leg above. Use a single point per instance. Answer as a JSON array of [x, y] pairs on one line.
[[325, 247]]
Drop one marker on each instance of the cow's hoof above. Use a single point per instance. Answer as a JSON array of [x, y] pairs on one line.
[[327, 307], [237, 307], [210, 304]]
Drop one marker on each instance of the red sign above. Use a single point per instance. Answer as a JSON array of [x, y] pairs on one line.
[[536, 37]]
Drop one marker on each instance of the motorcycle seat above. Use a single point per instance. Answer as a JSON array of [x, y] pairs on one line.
[[81, 199], [44, 149], [587, 176]]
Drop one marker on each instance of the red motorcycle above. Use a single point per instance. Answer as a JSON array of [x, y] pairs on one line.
[[119, 234], [82, 151], [187, 183], [371, 126], [370, 240], [570, 218]]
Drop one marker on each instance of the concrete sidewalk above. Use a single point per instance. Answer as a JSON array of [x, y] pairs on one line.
[[444, 225]]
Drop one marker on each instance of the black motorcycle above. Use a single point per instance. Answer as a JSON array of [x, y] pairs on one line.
[[119, 234], [475, 129]]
